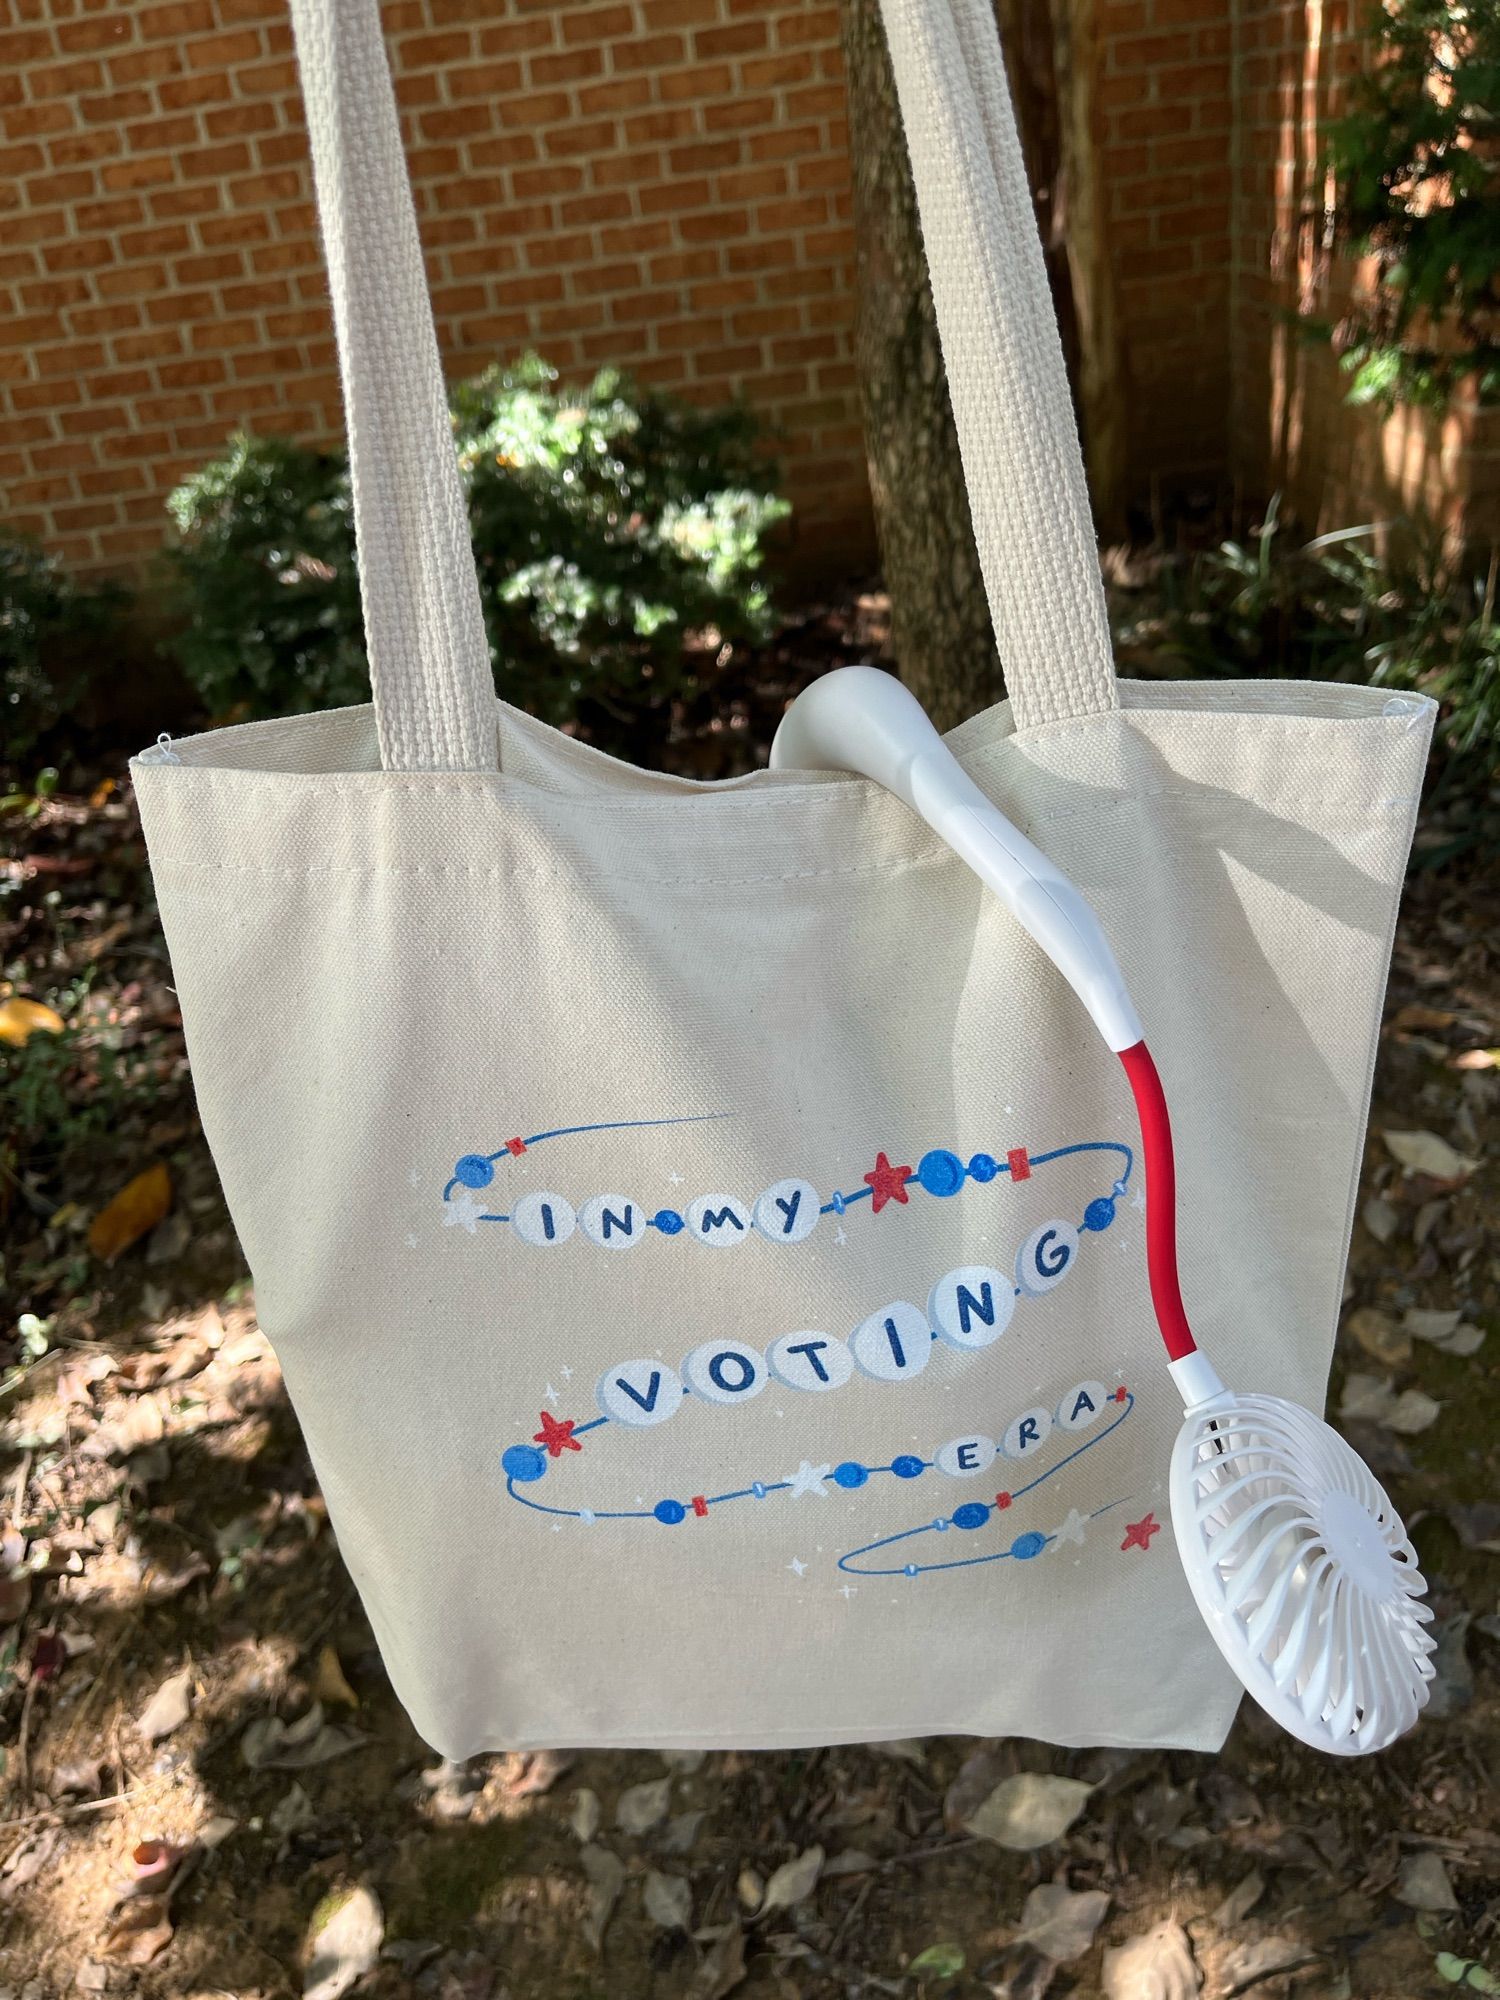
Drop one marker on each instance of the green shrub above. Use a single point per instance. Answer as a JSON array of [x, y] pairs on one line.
[[50, 630], [1417, 183], [613, 528], [265, 579]]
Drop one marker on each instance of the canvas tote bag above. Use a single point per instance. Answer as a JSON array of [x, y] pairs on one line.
[[702, 1236]]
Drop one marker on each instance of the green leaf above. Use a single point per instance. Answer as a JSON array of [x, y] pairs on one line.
[[939, 1961], [1466, 1972]]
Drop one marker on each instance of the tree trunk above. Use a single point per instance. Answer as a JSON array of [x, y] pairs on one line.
[[940, 620], [941, 628]]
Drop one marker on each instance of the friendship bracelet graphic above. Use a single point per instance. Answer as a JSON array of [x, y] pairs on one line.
[[786, 1212], [959, 1458], [968, 1308]]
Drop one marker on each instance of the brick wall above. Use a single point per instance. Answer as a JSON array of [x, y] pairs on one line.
[[1291, 428], [1164, 118], [659, 183], [663, 183]]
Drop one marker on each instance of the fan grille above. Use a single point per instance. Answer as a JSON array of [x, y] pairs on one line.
[[1303, 1569]]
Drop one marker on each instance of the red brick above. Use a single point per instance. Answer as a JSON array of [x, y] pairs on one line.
[[740, 38], [650, 52], [514, 37], [487, 79], [575, 65], [63, 79], [221, 52], [596, 24]]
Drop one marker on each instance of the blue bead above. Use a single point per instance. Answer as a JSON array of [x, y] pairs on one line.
[[667, 1220], [473, 1171], [1026, 1546], [1099, 1214], [941, 1525], [758, 1490], [850, 1474], [523, 1462], [838, 1204], [911, 1570], [940, 1172], [973, 1514], [907, 1467], [669, 1512], [983, 1167]]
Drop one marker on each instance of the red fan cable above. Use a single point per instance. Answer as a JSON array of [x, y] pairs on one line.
[[1161, 1201]]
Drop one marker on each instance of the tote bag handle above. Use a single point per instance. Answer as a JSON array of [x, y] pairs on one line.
[[424, 629], [1006, 375], [429, 657]]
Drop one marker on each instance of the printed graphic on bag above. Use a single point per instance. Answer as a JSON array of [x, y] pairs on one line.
[[967, 1309]]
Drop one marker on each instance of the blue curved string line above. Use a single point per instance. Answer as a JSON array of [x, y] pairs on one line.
[[570, 1131], [887, 1541], [966, 1562], [838, 1203]]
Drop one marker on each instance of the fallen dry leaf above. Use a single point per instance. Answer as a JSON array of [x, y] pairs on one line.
[[15, 1596], [1380, 1337], [130, 1424], [723, 1967], [1426, 1153], [168, 1708], [1060, 1922], [343, 1943], [79, 1777], [1423, 1883], [1372, 1400], [1380, 1218], [1478, 1527], [329, 1684], [271, 1744], [1158, 1965], [643, 1806], [1240, 1901], [537, 1771], [1029, 1810], [1448, 1331], [140, 1929], [793, 1882], [21, 1019], [606, 1876], [1262, 1959], [668, 1901], [135, 1210], [584, 1818]]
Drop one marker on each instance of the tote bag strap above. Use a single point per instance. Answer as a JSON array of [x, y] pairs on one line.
[[1006, 375], [429, 657]]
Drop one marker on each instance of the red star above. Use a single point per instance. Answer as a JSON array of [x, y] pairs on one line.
[[1138, 1533], [557, 1437], [515, 1147], [888, 1183]]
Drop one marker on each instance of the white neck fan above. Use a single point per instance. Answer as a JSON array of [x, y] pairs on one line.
[[1298, 1561]]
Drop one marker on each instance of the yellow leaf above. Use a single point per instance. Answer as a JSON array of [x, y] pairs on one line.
[[139, 1206], [1478, 1059], [21, 1019], [329, 1684]]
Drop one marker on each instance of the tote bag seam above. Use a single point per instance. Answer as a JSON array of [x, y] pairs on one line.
[[1330, 812], [1372, 1055], [421, 869]]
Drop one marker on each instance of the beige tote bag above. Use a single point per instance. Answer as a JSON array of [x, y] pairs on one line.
[[702, 1236]]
